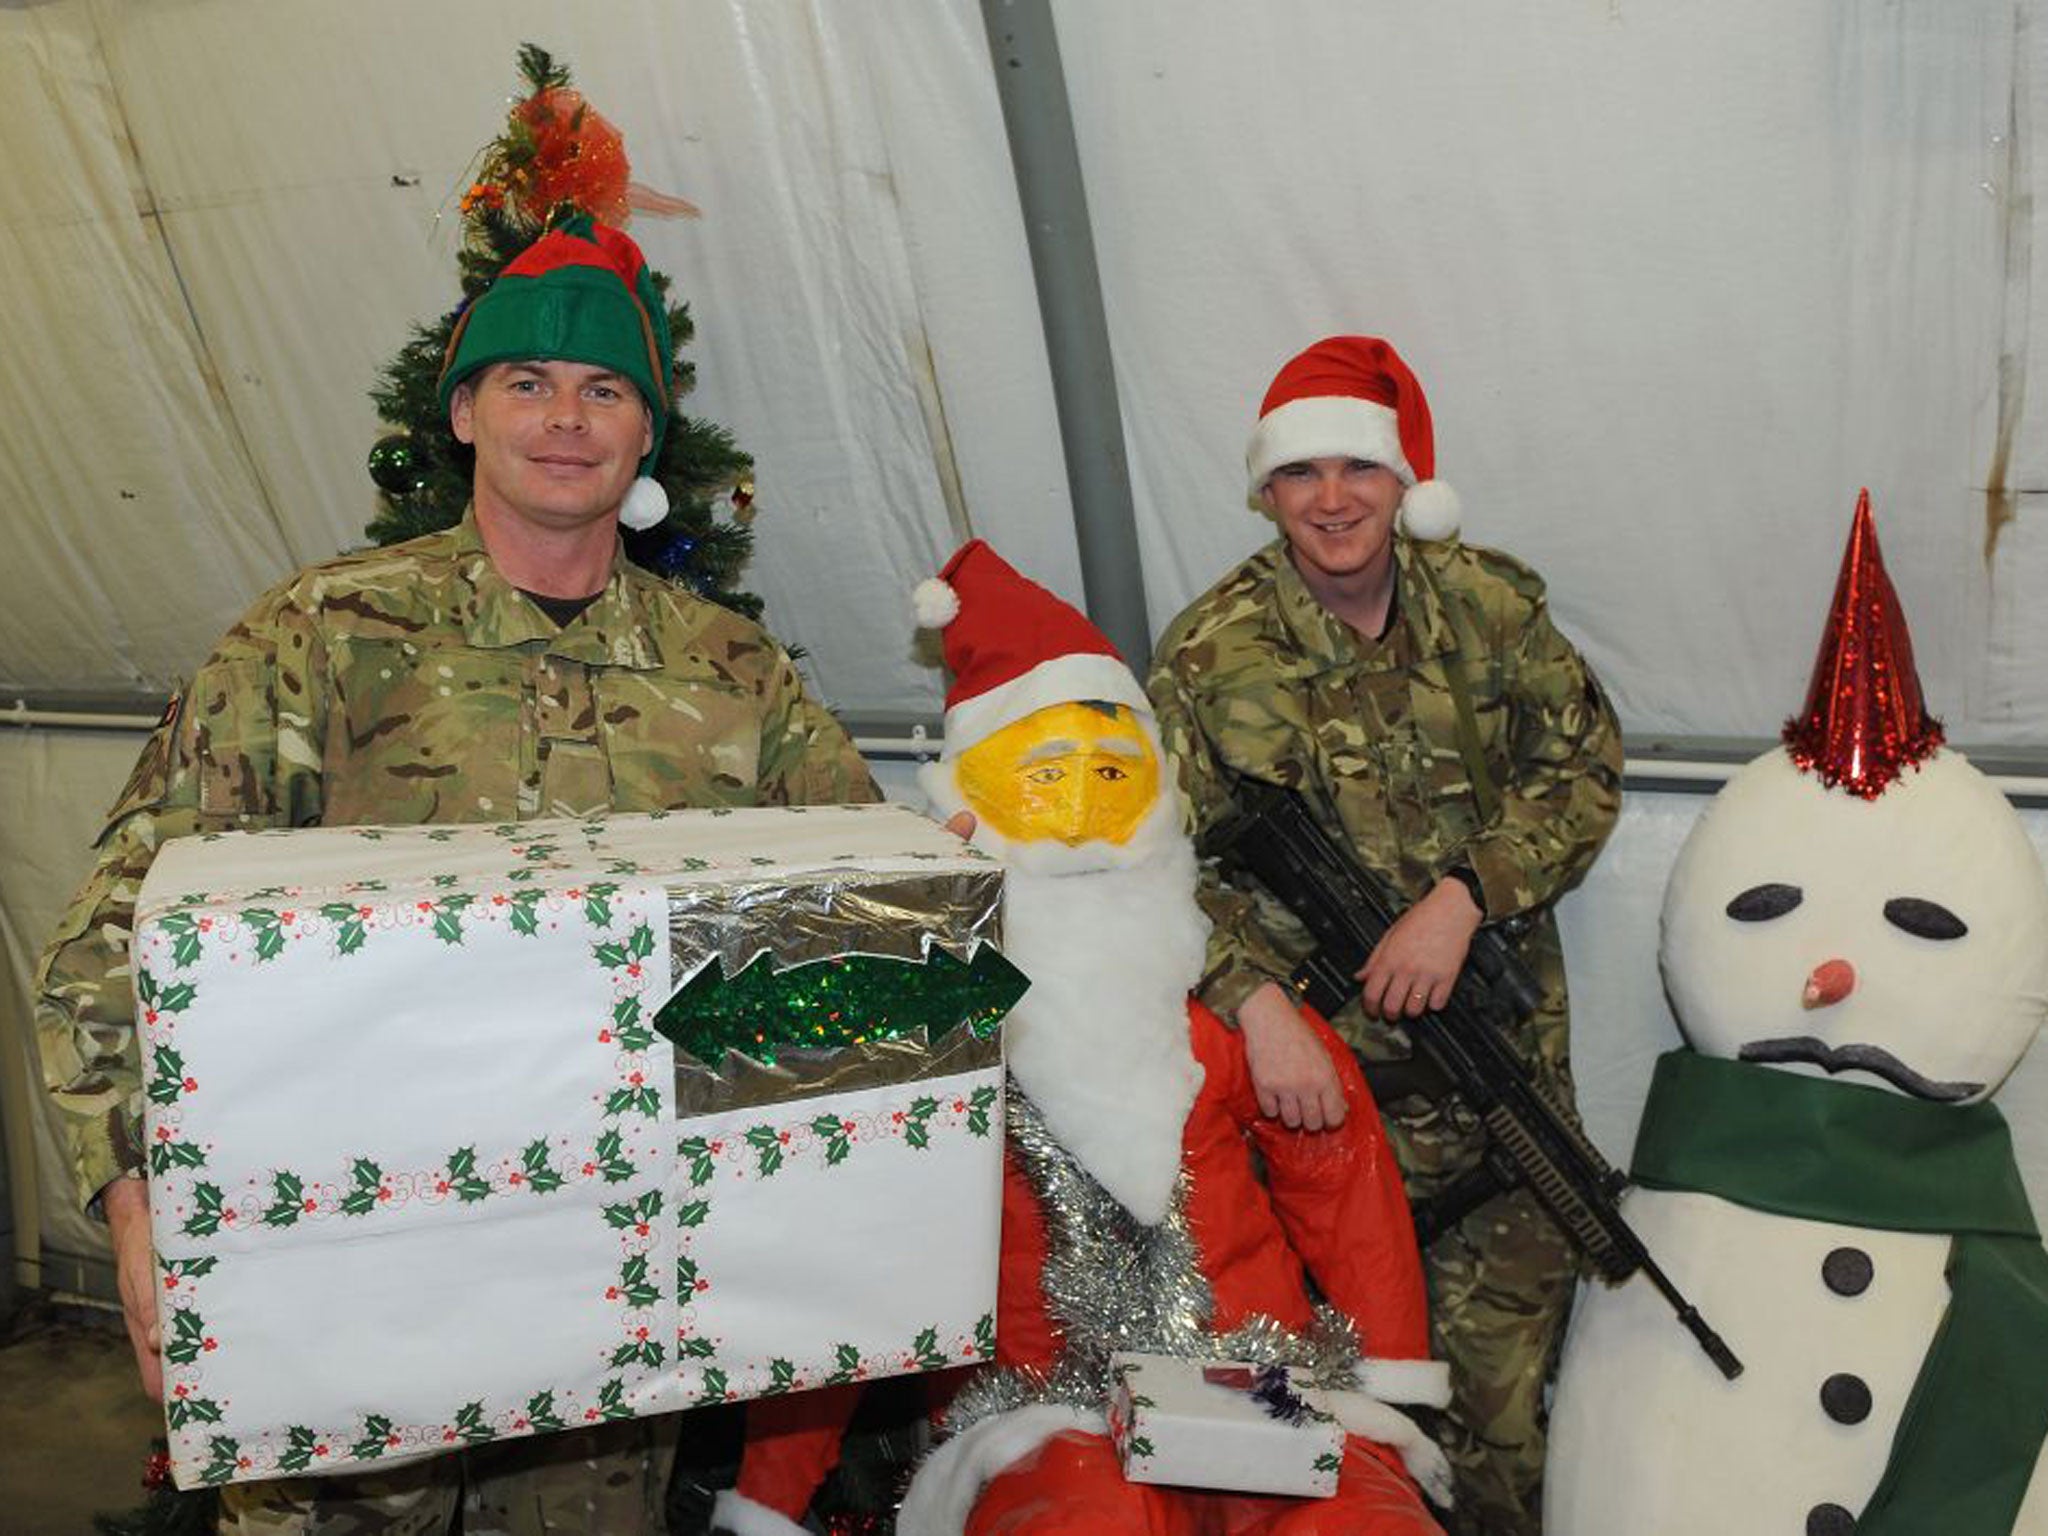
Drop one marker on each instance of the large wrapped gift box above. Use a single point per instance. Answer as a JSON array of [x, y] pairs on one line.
[[461, 1133], [1221, 1424]]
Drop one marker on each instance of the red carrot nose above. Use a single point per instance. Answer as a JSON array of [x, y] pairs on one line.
[[1831, 981]]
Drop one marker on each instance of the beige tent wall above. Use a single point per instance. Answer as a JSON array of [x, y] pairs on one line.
[[55, 787]]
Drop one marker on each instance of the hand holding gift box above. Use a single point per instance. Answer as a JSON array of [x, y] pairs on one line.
[[459, 1133]]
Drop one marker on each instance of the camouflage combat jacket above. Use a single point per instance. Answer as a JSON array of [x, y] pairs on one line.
[[1258, 678], [416, 684]]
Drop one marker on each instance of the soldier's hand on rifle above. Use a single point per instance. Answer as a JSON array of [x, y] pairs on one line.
[[1412, 969], [1291, 1071]]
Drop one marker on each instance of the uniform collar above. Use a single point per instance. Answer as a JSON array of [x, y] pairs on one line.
[[1421, 629], [616, 630]]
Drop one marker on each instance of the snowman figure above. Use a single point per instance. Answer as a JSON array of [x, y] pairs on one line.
[[1855, 943]]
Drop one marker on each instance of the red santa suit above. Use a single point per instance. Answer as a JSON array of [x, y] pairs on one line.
[[1225, 1267]]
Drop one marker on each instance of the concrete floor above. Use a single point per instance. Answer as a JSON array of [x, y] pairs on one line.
[[75, 1429]]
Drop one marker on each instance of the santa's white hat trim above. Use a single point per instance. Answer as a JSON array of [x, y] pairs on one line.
[[733, 1511], [942, 1495], [1060, 680], [1325, 427]]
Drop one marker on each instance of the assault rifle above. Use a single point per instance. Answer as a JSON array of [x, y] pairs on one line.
[[1347, 909]]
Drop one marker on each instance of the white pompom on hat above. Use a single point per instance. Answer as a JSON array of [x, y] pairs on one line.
[[1353, 397], [935, 602], [1013, 647], [645, 505]]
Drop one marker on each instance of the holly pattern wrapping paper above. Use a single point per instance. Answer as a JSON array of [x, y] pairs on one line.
[[418, 1176], [786, 1280]]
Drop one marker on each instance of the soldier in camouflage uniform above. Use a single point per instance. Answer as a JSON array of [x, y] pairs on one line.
[[1418, 693], [513, 667]]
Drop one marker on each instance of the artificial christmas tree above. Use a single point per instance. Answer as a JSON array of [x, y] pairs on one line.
[[558, 158]]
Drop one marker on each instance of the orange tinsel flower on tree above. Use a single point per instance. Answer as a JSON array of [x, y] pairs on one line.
[[574, 156], [482, 194], [558, 156]]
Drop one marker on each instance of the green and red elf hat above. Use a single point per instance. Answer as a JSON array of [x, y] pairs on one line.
[[581, 293]]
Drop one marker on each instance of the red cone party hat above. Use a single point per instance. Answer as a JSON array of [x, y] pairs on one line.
[[1865, 722], [1013, 647]]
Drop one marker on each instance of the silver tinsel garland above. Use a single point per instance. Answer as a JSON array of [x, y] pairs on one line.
[[1114, 1284]]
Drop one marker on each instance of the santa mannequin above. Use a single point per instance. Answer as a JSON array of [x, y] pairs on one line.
[[1133, 1217]]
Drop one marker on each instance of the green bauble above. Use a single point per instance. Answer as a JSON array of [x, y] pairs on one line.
[[395, 465]]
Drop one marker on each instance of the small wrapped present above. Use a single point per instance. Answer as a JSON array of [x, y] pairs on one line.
[[461, 1133], [1221, 1424]]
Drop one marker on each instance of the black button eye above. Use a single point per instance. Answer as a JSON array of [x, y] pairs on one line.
[[1761, 903], [1929, 919]]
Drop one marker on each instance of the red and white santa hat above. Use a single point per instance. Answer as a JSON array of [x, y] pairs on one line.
[[1353, 397], [1013, 647]]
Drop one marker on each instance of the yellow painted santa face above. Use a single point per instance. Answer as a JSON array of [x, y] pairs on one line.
[[1077, 773]]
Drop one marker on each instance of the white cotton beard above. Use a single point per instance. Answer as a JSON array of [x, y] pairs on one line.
[[1112, 941], [1100, 1042]]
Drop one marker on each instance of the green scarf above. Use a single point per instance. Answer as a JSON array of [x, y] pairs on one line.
[[1801, 1146]]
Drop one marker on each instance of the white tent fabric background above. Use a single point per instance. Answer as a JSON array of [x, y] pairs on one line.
[[1678, 279], [1678, 283]]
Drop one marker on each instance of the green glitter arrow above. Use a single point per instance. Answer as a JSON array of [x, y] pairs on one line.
[[844, 1001]]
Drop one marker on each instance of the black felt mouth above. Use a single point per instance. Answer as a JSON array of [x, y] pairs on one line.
[[1874, 1059]]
